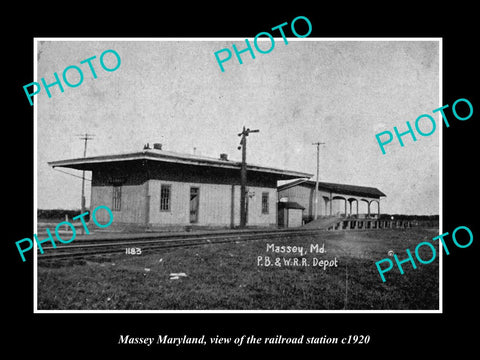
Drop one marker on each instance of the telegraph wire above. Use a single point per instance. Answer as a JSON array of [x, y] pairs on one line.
[[80, 177]]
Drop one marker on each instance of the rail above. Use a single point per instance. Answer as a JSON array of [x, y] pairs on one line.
[[98, 247]]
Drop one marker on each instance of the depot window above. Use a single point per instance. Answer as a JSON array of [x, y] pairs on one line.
[[165, 197], [265, 203], [117, 197]]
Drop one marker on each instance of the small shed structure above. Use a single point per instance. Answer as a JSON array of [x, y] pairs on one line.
[[290, 214]]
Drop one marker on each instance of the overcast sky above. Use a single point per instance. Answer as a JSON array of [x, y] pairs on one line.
[[338, 92]]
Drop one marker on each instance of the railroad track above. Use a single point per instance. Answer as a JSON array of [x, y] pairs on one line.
[[98, 247]]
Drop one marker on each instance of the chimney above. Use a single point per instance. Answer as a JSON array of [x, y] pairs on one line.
[[224, 157], [157, 146]]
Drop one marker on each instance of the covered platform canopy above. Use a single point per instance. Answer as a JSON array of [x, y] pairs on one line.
[[347, 198]]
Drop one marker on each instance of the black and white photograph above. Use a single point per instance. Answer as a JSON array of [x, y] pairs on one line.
[[159, 142]]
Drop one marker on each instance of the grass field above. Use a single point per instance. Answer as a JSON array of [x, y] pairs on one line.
[[227, 276]]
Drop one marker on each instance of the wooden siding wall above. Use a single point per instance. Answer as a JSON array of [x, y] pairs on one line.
[[132, 208], [219, 195], [216, 207], [295, 217], [255, 216]]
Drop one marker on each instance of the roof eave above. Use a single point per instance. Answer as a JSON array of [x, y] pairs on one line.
[[86, 163]]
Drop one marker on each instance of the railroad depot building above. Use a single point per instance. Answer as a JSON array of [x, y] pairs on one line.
[[333, 199], [154, 188]]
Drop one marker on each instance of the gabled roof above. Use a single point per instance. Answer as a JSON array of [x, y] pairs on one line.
[[353, 190], [89, 163]]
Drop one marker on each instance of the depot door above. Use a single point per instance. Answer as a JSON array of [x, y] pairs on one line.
[[194, 204]]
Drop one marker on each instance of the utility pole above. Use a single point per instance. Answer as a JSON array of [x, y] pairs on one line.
[[315, 209], [243, 175], [84, 137]]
